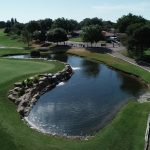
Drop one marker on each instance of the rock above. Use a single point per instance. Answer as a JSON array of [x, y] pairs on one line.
[[12, 97], [54, 79], [17, 89], [20, 110], [50, 75], [18, 84], [32, 94], [17, 101], [24, 103], [43, 79], [36, 96], [26, 111]]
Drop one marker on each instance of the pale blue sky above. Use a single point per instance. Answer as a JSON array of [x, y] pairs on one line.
[[25, 10]]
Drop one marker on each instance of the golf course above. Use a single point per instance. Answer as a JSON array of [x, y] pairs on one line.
[[125, 132]]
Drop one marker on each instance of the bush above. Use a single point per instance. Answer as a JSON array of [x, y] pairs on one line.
[[29, 83], [35, 53], [35, 80], [22, 92], [23, 83]]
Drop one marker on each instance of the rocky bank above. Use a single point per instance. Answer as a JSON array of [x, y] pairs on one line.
[[25, 94]]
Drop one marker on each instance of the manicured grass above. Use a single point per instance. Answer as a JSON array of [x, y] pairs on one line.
[[23, 67], [113, 62], [77, 39], [10, 41], [13, 51], [125, 132]]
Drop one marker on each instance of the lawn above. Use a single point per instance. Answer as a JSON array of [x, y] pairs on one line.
[[76, 39], [130, 122], [10, 41], [13, 51], [125, 132]]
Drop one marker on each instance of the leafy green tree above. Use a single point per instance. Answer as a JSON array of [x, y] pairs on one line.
[[127, 20], [33, 26], [18, 28], [27, 37], [57, 35], [45, 24], [92, 33], [93, 21], [2, 24], [108, 25], [131, 28], [39, 36], [67, 25], [139, 41]]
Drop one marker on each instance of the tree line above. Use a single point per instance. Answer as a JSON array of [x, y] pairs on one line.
[[136, 27], [56, 30]]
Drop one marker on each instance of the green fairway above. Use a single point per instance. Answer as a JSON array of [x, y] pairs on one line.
[[10, 41], [11, 69]]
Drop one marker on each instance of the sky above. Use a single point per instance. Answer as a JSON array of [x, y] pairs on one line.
[[26, 10]]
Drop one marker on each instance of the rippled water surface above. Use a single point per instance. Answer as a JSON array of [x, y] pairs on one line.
[[85, 103]]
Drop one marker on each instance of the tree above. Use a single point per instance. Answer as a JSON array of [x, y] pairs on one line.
[[39, 36], [8, 27], [33, 26], [18, 28], [93, 21], [2, 24], [92, 33], [127, 20], [67, 25], [140, 41], [108, 25], [45, 24], [131, 28], [57, 35], [27, 37]]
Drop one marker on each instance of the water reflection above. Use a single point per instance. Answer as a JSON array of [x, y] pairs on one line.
[[60, 57], [86, 102], [130, 84], [90, 68]]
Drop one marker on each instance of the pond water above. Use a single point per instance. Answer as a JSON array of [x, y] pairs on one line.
[[87, 102]]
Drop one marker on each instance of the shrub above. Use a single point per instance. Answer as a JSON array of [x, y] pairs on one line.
[[35, 53], [29, 83]]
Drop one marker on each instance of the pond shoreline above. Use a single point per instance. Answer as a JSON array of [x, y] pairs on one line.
[[25, 95]]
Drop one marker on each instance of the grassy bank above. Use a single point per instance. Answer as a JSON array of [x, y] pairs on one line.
[[12, 51], [10, 41], [113, 62]]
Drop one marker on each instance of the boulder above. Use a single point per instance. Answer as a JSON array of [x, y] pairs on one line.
[[12, 97], [20, 110], [18, 84]]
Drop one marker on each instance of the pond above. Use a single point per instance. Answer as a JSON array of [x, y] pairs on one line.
[[87, 102]]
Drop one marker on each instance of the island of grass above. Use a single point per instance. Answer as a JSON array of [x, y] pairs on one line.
[[125, 132]]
